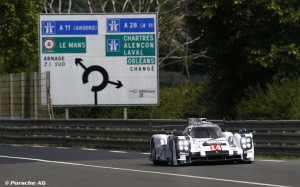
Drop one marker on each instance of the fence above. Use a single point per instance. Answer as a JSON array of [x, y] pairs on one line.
[[24, 95], [270, 137]]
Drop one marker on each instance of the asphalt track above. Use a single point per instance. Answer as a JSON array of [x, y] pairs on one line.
[[74, 167]]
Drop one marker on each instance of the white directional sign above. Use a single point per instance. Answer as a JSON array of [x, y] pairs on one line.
[[100, 59]]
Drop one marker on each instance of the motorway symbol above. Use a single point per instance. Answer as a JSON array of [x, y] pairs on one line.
[[48, 27], [113, 25], [113, 45], [101, 70]]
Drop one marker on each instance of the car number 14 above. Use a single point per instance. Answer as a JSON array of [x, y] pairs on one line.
[[215, 147]]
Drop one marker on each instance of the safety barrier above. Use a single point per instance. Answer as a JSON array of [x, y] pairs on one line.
[[280, 137]]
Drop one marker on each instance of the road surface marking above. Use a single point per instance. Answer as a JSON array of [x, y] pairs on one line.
[[145, 153], [89, 149], [118, 151], [272, 160], [144, 171], [63, 147]]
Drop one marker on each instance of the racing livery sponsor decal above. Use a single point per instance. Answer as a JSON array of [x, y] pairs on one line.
[[215, 147]]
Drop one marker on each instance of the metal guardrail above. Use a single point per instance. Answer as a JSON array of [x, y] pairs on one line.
[[270, 137]]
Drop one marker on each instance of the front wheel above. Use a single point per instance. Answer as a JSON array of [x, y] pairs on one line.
[[248, 162], [245, 162], [153, 153], [172, 153]]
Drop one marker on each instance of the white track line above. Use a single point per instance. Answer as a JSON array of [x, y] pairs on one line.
[[38, 146], [272, 160], [145, 153], [118, 152], [89, 149], [144, 171], [17, 145], [62, 147]]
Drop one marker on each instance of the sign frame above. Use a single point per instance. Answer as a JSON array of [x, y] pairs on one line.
[[59, 48]]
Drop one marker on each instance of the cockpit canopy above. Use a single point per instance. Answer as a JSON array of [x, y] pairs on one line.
[[204, 132]]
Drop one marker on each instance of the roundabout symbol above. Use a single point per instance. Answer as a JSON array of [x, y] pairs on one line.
[[101, 70]]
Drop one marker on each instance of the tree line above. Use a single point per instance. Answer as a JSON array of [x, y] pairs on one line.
[[247, 53]]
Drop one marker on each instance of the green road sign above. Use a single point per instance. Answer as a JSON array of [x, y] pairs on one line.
[[130, 45], [64, 45], [141, 61]]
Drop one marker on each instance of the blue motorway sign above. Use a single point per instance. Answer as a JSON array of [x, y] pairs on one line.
[[122, 25], [70, 27]]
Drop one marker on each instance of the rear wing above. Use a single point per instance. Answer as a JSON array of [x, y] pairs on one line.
[[196, 121]]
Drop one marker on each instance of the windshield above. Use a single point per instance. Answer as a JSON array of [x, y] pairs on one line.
[[206, 132]]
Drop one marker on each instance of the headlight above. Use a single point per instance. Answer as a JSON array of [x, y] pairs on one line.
[[183, 145], [186, 148], [248, 140], [243, 140], [186, 142]]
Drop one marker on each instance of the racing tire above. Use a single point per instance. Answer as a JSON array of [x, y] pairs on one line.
[[248, 162], [153, 154], [245, 162], [171, 153]]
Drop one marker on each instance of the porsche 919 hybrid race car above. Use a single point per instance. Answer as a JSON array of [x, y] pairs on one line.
[[201, 141]]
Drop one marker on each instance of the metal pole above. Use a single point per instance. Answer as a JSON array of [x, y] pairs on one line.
[[1, 92], [35, 90], [125, 113], [67, 113], [22, 102], [49, 103], [11, 95]]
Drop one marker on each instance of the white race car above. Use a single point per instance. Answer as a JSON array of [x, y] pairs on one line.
[[201, 141]]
